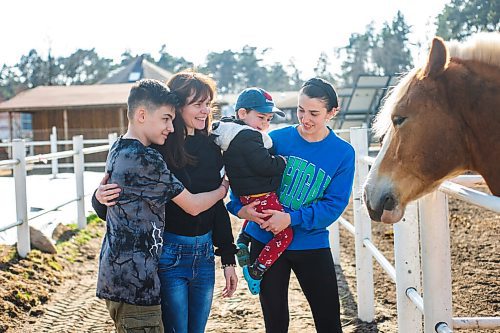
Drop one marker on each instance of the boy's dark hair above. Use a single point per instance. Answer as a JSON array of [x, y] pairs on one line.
[[323, 90], [151, 94], [237, 116]]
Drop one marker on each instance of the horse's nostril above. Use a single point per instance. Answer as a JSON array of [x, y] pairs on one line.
[[389, 202]]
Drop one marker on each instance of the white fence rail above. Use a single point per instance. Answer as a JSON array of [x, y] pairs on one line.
[[421, 252], [53, 143], [19, 164]]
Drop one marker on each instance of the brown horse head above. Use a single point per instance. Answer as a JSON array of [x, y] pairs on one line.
[[439, 121]]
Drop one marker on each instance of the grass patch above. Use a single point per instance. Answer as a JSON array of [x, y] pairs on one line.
[[8, 254], [68, 250], [22, 295], [82, 236], [93, 219], [70, 246], [55, 265], [85, 235]]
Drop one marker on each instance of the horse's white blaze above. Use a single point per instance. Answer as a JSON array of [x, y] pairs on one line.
[[376, 185], [380, 187]]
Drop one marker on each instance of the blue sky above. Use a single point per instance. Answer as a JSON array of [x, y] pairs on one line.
[[290, 29]]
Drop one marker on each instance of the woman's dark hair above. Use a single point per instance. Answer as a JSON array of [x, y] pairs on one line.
[[190, 87], [323, 90], [173, 150]]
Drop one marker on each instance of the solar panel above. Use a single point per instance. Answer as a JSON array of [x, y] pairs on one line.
[[360, 103]]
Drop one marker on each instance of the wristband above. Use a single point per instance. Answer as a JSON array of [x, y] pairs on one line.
[[227, 265]]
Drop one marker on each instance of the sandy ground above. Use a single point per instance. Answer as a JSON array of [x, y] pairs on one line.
[[62, 300]]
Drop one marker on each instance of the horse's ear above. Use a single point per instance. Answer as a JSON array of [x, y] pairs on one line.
[[438, 58]]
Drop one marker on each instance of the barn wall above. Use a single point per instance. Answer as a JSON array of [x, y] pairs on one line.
[[91, 123]]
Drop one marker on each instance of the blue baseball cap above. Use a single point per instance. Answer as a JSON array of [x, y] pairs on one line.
[[257, 99]]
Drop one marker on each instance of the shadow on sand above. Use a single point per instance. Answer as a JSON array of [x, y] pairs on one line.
[[349, 308]]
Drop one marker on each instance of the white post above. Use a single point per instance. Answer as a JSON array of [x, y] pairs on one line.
[[407, 265], [53, 149], [362, 224], [32, 149], [78, 162], [436, 261], [23, 230], [112, 137], [335, 242]]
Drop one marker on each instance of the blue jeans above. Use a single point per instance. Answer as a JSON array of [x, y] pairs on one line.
[[187, 276]]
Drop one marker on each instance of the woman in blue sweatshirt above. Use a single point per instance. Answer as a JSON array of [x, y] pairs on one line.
[[314, 192]]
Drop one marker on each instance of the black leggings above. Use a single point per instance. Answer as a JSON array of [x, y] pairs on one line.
[[315, 272]]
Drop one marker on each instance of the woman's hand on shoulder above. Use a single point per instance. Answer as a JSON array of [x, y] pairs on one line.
[[248, 212], [106, 193], [231, 281]]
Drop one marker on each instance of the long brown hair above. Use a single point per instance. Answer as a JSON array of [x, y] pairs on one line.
[[190, 87]]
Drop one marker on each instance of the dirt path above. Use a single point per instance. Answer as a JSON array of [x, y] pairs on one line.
[[74, 307], [71, 306], [75, 310]]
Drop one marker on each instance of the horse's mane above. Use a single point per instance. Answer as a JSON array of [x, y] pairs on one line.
[[483, 47]]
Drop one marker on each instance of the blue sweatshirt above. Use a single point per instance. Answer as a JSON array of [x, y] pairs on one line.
[[315, 188]]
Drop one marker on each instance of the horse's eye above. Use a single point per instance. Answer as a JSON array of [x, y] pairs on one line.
[[398, 120]]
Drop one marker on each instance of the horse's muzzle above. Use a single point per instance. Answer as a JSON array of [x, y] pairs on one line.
[[386, 203]]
